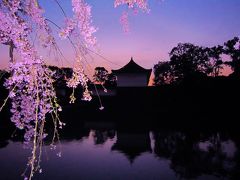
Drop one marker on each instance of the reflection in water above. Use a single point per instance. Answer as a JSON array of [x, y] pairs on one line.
[[132, 144], [191, 157], [98, 153], [101, 136]]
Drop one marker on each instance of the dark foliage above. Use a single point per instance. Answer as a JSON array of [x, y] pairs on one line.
[[103, 77], [189, 63], [232, 49]]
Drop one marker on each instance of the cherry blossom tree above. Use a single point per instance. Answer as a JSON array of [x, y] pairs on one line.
[[31, 84]]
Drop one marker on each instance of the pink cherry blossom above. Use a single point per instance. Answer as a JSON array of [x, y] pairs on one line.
[[31, 84]]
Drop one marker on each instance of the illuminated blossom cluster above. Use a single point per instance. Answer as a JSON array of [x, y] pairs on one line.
[[124, 21], [3, 38], [83, 20], [14, 5], [14, 29], [82, 13], [32, 96], [43, 31], [6, 20], [69, 28], [31, 85], [79, 78], [34, 11], [11, 21], [142, 4], [133, 5]]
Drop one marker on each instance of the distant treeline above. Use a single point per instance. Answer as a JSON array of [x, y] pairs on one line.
[[190, 62], [102, 79], [61, 75]]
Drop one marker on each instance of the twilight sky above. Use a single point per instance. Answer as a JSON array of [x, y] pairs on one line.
[[153, 35]]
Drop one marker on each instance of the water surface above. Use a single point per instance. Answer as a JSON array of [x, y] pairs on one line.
[[106, 152]]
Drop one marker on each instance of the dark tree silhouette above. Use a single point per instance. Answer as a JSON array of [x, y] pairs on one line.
[[111, 80], [101, 76], [216, 62], [163, 73], [232, 48], [61, 75], [189, 61]]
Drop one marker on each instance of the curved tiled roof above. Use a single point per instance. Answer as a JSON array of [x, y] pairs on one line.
[[132, 67]]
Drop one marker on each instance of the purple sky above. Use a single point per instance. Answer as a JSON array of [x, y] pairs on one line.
[[153, 35]]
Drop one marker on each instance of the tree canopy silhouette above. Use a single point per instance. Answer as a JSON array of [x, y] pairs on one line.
[[188, 60], [232, 48], [191, 62], [163, 73], [103, 77], [215, 58]]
